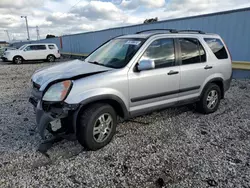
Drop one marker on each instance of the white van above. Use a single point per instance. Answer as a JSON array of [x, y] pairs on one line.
[[27, 52]]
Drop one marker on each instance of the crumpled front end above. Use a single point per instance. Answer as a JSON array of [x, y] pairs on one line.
[[51, 115], [50, 88]]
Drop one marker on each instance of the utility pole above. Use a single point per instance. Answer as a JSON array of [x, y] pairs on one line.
[[7, 32], [37, 33], [27, 26]]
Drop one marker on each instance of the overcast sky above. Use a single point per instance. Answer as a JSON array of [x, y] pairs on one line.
[[60, 17]]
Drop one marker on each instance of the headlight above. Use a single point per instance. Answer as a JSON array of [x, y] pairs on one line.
[[6, 53], [58, 92]]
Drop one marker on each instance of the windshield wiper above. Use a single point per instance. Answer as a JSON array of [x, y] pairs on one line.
[[95, 62]]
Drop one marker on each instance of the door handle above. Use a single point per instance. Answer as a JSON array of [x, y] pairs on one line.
[[173, 72], [208, 67]]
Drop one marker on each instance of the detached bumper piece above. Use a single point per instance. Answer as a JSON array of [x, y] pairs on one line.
[[50, 115]]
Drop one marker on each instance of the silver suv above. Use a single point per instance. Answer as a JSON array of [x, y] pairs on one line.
[[129, 76]]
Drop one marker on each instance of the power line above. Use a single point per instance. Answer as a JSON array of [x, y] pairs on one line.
[[10, 10], [74, 5]]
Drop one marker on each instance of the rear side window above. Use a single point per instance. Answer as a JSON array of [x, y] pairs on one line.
[[162, 52], [40, 47], [217, 47], [191, 51], [51, 47]]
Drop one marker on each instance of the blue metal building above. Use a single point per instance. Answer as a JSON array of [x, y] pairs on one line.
[[233, 26]]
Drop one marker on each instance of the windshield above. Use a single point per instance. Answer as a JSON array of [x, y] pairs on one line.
[[116, 53], [22, 47]]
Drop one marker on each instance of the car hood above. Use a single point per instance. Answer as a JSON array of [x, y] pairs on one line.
[[68, 70], [14, 50]]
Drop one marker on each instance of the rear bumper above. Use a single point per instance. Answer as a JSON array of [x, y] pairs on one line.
[[45, 116], [58, 56], [227, 83]]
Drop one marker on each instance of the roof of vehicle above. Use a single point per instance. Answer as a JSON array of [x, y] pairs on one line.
[[41, 44], [155, 32]]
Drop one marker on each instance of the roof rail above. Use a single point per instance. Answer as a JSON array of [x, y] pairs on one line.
[[192, 31], [170, 30]]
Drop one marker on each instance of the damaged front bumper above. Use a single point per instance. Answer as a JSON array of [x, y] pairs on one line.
[[51, 113]]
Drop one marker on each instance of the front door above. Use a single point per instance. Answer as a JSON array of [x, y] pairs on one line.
[[29, 52], [157, 87]]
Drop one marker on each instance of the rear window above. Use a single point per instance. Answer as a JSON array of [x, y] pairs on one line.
[[52, 47], [217, 47]]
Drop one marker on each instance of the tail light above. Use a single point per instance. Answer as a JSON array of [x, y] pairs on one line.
[[228, 50]]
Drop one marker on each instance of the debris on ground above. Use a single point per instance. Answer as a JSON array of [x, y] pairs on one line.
[[177, 147]]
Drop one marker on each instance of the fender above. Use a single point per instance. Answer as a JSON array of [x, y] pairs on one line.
[[93, 99], [216, 79]]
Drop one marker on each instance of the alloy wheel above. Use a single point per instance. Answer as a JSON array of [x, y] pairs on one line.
[[18, 60], [51, 59], [103, 127], [212, 99]]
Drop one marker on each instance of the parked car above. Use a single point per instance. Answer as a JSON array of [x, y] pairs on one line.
[[3, 49], [129, 76], [43, 51]]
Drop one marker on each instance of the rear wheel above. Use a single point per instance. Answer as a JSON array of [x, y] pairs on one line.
[[51, 58], [210, 100], [97, 126], [18, 60]]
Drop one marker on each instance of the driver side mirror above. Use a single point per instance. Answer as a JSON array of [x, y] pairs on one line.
[[145, 65]]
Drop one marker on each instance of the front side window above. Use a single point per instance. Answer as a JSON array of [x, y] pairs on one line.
[[217, 47], [116, 53], [191, 51], [161, 52], [22, 47], [30, 48]]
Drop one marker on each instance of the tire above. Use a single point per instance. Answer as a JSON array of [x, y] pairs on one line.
[[210, 99], [91, 118], [51, 58], [18, 60]]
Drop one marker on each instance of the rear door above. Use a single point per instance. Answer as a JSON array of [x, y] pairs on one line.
[[41, 51], [155, 88], [194, 68]]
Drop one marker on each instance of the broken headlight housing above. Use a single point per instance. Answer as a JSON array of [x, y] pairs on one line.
[[58, 91]]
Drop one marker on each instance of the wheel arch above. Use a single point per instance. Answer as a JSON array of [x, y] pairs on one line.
[[17, 56], [218, 81], [113, 100], [51, 55]]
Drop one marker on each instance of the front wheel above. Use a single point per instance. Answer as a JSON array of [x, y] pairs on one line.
[[97, 126], [18, 60], [210, 100]]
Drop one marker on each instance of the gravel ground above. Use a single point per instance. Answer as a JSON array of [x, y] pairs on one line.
[[177, 147]]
